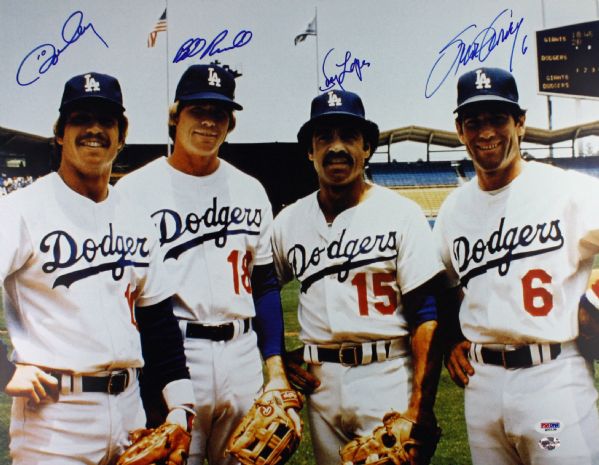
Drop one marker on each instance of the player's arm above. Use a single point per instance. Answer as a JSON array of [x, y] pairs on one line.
[[268, 325], [16, 248], [28, 381], [420, 309], [455, 345], [268, 322], [165, 368], [588, 323]]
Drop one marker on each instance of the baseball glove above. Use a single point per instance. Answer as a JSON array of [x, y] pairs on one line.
[[391, 443], [168, 444], [267, 435], [588, 333]]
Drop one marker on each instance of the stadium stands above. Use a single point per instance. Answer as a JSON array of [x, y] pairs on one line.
[[414, 174], [588, 165], [428, 184], [429, 199]]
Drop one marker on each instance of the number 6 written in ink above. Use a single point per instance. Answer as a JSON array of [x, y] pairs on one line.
[[380, 288]]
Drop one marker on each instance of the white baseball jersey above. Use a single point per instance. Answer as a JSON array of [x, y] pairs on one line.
[[523, 254], [354, 271], [213, 230], [72, 270]]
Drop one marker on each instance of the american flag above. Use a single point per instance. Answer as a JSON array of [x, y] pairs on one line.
[[160, 26]]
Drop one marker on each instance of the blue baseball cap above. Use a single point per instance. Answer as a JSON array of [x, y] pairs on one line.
[[207, 82], [487, 85], [93, 88], [339, 105]]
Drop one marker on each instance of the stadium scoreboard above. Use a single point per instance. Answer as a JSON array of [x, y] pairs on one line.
[[568, 60]]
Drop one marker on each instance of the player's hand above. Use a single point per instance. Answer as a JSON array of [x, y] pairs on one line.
[[33, 383], [457, 363], [275, 384], [425, 418], [300, 378]]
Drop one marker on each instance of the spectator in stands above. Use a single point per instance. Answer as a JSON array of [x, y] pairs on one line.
[[9, 184]]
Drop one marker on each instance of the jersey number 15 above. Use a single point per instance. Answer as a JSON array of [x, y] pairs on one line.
[[386, 296]]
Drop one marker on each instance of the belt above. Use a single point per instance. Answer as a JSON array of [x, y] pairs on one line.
[[357, 354], [519, 357], [224, 332], [115, 383]]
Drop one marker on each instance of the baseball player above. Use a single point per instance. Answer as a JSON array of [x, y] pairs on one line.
[[362, 255], [215, 226], [81, 271], [518, 240]]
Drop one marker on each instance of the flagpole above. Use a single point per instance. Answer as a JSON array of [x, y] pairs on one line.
[[316, 30], [168, 139]]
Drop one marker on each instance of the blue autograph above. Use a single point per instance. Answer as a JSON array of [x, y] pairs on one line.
[[354, 66], [480, 48], [194, 46], [48, 54]]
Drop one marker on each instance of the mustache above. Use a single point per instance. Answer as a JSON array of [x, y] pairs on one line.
[[330, 156], [101, 138]]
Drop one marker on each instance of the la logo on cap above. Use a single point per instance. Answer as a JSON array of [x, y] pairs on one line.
[[91, 85], [482, 81], [213, 78], [334, 100]]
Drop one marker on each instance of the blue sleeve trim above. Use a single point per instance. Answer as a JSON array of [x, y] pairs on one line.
[[426, 312]]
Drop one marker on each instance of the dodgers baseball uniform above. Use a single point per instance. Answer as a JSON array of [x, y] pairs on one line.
[[213, 230], [352, 274], [71, 270], [523, 255]]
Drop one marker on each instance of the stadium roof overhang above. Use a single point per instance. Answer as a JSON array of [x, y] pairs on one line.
[[450, 139]]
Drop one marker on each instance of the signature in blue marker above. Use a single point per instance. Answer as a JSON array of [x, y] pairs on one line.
[[200, 46], [48, 54], [347, 67], [483, 44]]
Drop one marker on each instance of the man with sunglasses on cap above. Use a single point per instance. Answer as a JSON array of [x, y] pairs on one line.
[[215, 226], [518, 241], [78, 265], [362, 255]]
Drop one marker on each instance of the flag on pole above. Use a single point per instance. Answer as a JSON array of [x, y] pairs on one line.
[[160, 26], [310, 31]]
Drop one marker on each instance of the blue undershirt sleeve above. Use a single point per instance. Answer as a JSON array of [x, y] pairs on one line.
[[268, 322]]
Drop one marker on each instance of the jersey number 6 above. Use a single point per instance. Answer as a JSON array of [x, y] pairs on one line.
[[537, 301], [380, 289]]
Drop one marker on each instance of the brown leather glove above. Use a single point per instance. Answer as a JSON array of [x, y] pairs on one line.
[[169, 444], [267, 434], [392, 443]]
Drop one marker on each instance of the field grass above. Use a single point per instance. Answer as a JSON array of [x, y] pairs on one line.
[[452, 450]]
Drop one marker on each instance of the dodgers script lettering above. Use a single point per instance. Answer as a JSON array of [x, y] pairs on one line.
[[66, 252], [217, 219], [499, 249], [351, 251]]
